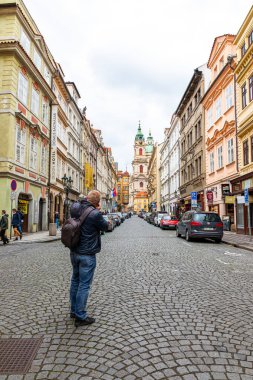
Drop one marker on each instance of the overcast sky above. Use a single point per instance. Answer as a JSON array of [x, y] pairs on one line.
[[132, 59]]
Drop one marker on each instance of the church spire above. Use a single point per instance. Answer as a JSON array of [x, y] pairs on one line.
[[139, 136]]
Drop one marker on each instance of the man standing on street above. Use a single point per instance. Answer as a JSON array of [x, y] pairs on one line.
[[16, 221], [4, 226], [83, 257]]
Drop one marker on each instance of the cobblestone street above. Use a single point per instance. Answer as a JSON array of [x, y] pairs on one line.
[[164, 308]]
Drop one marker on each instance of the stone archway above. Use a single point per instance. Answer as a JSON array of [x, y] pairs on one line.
[[25, 205]]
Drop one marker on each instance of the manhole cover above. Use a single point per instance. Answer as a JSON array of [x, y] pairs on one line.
[[16, 355]]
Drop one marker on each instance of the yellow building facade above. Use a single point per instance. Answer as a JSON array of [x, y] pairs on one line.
[[122, 190], [26, 70], [244, 107]]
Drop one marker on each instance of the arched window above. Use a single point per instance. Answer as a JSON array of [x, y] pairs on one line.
[[140, 152], [141, 168], [141, 184]]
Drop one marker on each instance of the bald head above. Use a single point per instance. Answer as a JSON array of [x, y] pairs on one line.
[[94, 197]]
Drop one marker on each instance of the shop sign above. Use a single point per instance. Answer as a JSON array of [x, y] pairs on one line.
[[229, 199], [23, 206], [240, 199], [246, 196], [209, 196], [225, 188]]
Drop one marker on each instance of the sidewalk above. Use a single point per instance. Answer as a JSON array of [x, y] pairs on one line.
[[237, 240], [38, 237]]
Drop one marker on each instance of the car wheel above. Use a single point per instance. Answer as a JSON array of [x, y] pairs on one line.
[[177, 233], [217, 240], [187, 236]]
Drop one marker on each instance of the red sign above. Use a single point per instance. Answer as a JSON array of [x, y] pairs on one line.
[[209, 196]]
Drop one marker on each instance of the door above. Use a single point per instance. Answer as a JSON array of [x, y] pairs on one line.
[[40, 214]]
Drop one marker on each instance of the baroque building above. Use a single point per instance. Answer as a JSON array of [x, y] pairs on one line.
[[26, 71], [122, 190], [244, 113], [220, 129], [139, 180], [192, 140]]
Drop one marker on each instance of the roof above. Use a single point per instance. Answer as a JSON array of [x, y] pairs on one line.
[[217, 40]]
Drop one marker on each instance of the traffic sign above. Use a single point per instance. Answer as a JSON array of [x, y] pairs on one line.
[[13, 185], [194, 199], [13, 195], [246, 196]]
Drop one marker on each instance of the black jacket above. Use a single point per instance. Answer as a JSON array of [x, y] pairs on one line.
[[90, 239], [16, 221]]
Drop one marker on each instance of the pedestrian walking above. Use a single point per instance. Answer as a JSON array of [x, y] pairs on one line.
[[4, 224], [21, 216], [83, 257], [16, 221], [56, 219]]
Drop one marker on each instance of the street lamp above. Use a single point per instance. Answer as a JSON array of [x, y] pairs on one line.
[[67, 184]]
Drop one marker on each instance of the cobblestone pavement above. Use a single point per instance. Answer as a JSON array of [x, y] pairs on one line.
[[164, 308]]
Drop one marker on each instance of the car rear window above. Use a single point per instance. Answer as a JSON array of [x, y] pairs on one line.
[[207, 217], [160, 215], [166, 217]]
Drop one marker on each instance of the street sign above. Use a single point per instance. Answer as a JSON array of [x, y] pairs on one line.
[[246, 196], [194, 199], [13, 185], [13, 195]]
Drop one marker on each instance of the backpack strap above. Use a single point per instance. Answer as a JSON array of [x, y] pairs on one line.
[[84, 215]]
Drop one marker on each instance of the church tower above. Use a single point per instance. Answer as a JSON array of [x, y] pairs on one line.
[[142, 153]]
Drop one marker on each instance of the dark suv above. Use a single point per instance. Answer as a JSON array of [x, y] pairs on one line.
[[200, 224]]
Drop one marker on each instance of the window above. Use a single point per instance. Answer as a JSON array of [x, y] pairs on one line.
[[244, 95], [200, 165], [218, 107], [220, 157], [141, 184], [199, 129], [140, 152], [141, 168], [211, 159], [210, 117], [45, 112], [243, 49], [20, 144], [251, 142], [43, 163], [47, 75], [230, 151], [22, 88], [33, 153], [245, 152], [196, 132], [58, 168], [229, 96], [35, 104], [37, 59], [251, 88], [25, 41], [250, 38]]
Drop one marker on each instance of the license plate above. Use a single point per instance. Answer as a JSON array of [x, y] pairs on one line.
[[208, 229]]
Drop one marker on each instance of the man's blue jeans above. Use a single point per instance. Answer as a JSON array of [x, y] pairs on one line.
[[83, 271]]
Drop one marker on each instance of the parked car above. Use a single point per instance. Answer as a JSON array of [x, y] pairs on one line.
[[121, 216], [200, 224], [146, 216], [169, 222], [141, 214], [110, 221], [158, 217], [116, 218]]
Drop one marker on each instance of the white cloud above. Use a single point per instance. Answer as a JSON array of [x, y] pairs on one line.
[[132, 59]]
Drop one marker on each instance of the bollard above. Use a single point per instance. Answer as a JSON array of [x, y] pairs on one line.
[[52, 229]]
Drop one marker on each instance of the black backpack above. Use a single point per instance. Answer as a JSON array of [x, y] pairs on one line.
[[71, 229]]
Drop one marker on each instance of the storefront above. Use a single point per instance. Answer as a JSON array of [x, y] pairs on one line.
[[244, 213], [24, 201]]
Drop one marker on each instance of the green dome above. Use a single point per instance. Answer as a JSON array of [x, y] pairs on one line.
[[150, 144], [139, 135]]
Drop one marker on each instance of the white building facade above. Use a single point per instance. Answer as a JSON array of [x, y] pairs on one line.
[[174, 164]]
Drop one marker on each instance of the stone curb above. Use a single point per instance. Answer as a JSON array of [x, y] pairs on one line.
[[36, 241], [246, 247]]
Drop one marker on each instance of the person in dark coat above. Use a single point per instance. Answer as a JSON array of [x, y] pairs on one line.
[[83, 257], [16, 221], [4, 224]]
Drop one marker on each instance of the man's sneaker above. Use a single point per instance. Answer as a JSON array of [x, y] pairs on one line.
[[83, 322]]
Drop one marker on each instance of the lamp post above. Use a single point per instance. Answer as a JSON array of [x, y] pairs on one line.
[[67, 184]]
